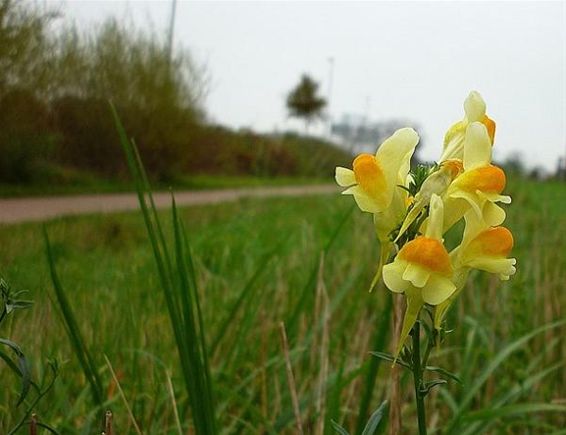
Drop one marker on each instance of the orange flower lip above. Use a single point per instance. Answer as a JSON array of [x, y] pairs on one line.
[[493, 242], [427, 252], [369, 174], [490, 125], [489, 179]]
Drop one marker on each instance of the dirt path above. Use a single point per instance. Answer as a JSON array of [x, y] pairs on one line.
[[38, 209]]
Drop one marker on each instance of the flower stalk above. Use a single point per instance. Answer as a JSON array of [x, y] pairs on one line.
[[418, 378]]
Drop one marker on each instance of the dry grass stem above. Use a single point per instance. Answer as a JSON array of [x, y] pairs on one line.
[[322, 313], [121, 392], [291, 379]]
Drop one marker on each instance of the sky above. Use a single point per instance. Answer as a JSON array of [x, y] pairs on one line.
[[415, 61]]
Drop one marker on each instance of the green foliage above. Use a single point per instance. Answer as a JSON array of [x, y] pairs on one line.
[[121, 311], [25, 137]]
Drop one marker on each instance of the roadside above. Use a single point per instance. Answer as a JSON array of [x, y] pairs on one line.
[[18, 210]]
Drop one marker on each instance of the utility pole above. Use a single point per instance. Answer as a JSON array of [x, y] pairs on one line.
[[171, 29], [329, 96]]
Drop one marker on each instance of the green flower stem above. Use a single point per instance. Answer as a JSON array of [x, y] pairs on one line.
[[418, 378]]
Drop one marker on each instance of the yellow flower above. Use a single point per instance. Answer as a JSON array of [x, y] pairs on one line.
[[480, 185], [484, 248], [375, 178], [422, 270], [374, 182], [474, 108]]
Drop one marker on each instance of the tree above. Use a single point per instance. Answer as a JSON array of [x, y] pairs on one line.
[[303, 101], [25, 47]]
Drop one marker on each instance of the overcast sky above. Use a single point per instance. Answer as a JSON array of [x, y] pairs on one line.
[[410, 60]]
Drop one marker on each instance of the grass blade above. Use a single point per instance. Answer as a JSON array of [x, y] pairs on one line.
[[379, 343], [71, 326], [375, 419]]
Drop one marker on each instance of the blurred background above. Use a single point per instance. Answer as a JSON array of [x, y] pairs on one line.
[[263, 90], [251, 94]]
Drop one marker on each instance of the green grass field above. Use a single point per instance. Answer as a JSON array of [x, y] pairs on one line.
[[260, 262]]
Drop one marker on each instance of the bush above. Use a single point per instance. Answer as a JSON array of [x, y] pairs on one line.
[[25, 138]]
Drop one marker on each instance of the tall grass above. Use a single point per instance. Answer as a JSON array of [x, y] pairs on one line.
[[179, 286], [253, 262]]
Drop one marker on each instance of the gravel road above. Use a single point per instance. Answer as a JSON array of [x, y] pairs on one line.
[[38, 209]]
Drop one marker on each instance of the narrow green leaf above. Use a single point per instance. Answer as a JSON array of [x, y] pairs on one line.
[[429, 385], [375, 419], [338, 429], [22, 368], [443, 372], [388, 357], [379, 342], [71, 326]]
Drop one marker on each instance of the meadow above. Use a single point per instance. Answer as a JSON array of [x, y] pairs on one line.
[[306, 262]]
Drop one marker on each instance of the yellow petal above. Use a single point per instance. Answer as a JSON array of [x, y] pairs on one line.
[[345, 177], [393, 276], [495, 197], [438, 289], [365, 202], [477, 146], [474, 226], [474, 106], [471, 198], [416, 275], [454, 210], [503, 266], [393, 155], [493, 215]]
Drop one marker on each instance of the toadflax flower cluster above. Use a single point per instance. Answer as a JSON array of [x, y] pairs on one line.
[[413, 210]]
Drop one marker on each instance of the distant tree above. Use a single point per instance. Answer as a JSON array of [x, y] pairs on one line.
[[26, 50], [304, 102]]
